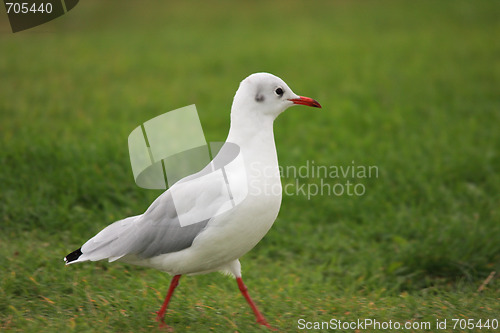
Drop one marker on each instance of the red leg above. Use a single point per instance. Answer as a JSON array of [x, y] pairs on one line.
[[260, 318], [161, 314]]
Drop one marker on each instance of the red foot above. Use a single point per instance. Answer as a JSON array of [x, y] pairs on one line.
[[260, 318], [160, 315], [161, 323], [263, 322]]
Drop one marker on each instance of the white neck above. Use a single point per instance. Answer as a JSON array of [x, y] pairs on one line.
[[253, 132]]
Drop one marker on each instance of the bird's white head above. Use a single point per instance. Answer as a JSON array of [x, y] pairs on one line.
[[267, 95]]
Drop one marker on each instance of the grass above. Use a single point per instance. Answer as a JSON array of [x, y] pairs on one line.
[[410, 88]]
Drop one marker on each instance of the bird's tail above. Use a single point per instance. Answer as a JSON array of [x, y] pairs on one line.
[[73, 256], [111, 243]]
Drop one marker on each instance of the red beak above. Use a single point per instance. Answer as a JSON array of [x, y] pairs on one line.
[[305, 101]]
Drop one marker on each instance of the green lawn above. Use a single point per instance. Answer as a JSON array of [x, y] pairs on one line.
[[409, 87]]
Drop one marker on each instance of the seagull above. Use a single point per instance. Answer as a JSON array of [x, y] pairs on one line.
[[195, 227]]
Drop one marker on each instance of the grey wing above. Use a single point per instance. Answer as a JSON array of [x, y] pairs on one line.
[[162, 231], [156, 232], [166, 227]]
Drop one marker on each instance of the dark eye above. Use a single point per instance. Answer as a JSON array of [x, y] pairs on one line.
[[279, 91]]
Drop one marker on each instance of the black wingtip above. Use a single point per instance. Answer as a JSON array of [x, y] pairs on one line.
[[73, 256]]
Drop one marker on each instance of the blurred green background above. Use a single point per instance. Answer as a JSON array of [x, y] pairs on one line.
[[410, 87]]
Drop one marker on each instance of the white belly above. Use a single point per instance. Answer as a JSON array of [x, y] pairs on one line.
[[231, 234]]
